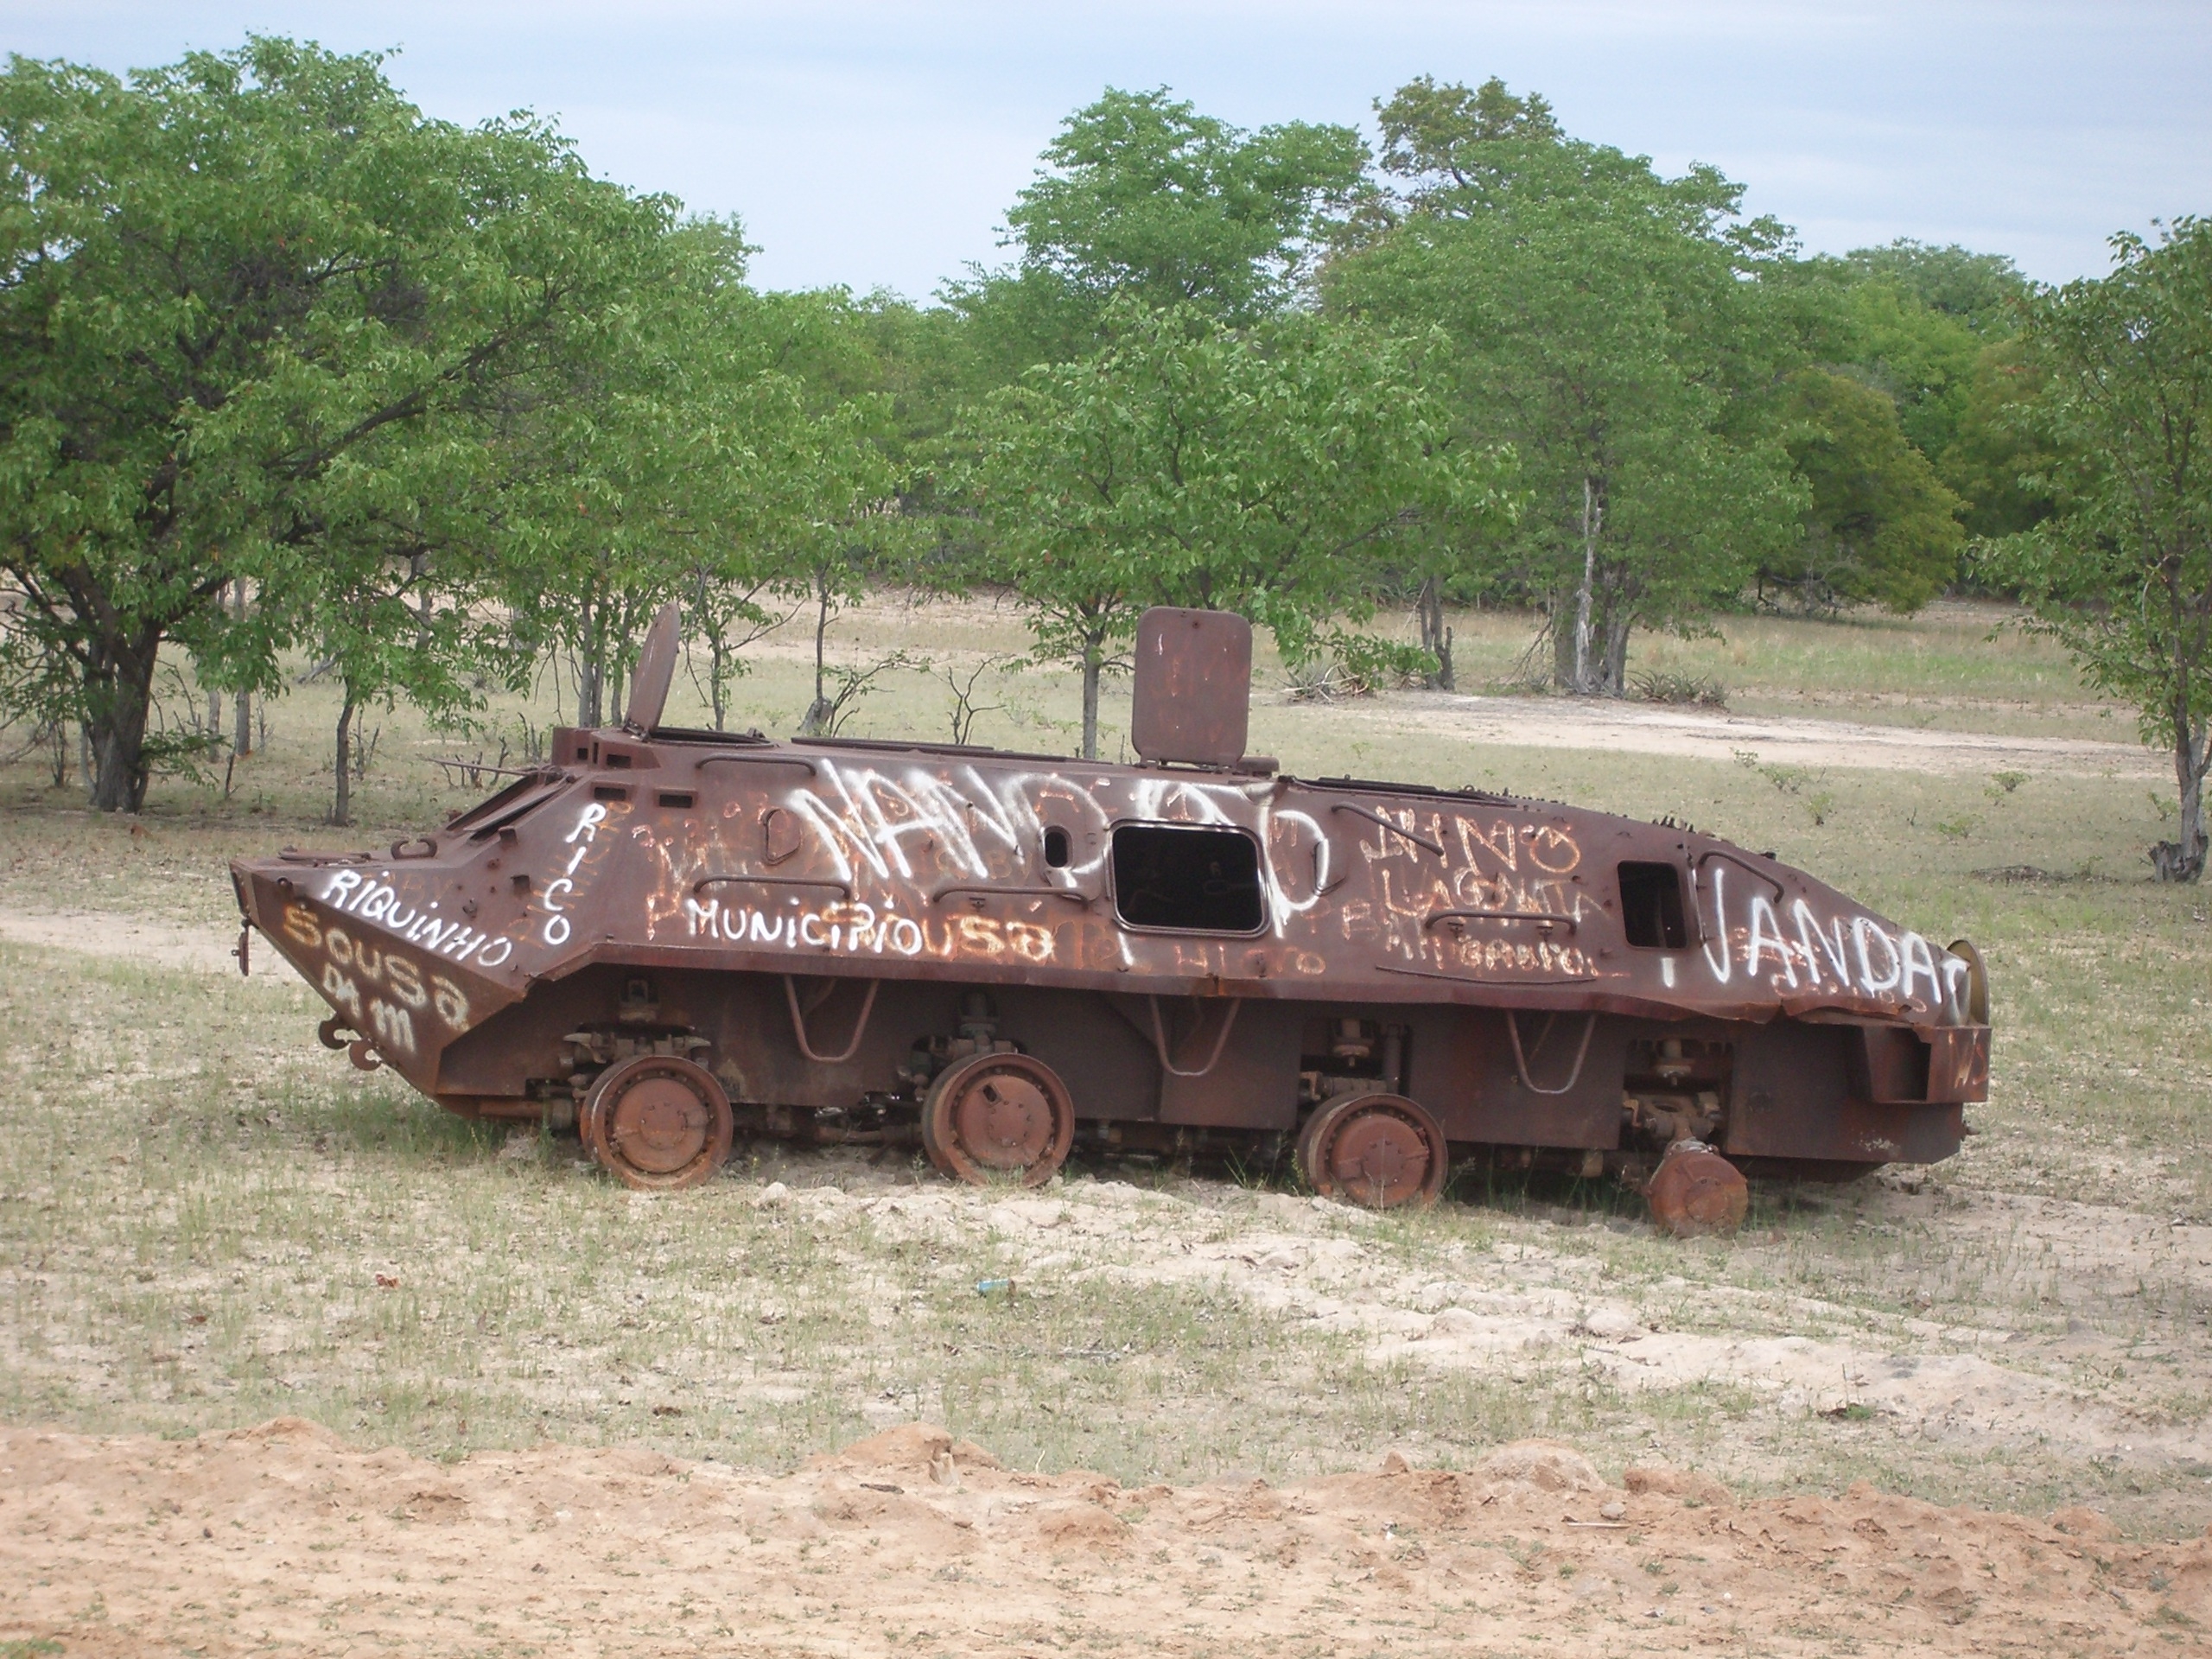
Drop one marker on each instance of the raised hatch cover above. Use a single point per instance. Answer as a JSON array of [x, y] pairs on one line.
[[1193, 693], [656, 669]]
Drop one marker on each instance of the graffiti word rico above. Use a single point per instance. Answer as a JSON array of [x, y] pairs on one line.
[[355, 894]]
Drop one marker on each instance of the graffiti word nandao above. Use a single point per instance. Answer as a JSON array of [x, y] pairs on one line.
[[1863, 956]]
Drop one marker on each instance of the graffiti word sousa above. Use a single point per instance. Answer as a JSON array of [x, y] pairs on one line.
[[377, 989]]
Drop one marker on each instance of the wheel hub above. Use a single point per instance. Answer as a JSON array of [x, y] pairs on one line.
[[658, 1124], [1003, 1121], [1379, 1157]]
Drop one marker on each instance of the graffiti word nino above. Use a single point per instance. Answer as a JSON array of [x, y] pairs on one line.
[[355, 894]]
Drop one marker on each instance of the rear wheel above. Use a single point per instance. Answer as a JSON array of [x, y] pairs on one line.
[[1695, 1193], [658, 1123], [1379, 1150], [998, 1117]]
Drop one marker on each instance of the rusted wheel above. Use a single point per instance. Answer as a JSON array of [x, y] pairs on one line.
[[995, 1115], [1695, 1192], [1379, 1150], [658, 1123]]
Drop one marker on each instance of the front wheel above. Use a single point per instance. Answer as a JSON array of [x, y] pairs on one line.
[[658, 1123]]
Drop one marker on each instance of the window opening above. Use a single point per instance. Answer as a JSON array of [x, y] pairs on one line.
[[1186, 876], [1058, 849], [1651, 907], [679, 798], [609, 792]]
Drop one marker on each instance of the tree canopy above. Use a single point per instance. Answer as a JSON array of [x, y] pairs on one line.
[[1262, 471], [1603, 327], [2122, 573], [438, 410]]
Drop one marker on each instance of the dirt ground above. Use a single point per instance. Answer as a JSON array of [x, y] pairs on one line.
[[281, 1539], [1645, 729]]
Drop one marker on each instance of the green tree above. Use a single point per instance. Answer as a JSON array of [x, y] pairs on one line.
[[1605, 323], [1879, 525], [1993, 455], [1933, 328], [2122, 574], [1264, 471], [236, 290], [1141, 196], [693, 443]]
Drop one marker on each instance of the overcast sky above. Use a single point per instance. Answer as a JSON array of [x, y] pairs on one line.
[[880, 145]]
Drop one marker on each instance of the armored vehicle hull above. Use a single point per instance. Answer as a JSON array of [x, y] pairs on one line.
[[664, 937]]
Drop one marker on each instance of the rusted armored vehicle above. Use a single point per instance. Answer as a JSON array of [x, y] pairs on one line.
[[664, 937]]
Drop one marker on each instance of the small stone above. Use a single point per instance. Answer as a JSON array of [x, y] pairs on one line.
[[1612, 1511]]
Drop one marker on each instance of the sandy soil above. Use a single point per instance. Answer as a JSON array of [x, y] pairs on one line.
[[281, 1539], [105, 934], [1646, 728]]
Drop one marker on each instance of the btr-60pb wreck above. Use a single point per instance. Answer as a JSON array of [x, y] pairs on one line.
[[663, 937]]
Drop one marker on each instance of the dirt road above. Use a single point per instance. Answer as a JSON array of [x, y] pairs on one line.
[[1648, 728], [281, 1538]]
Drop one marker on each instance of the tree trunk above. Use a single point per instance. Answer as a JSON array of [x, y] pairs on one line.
[[2182, 860], [1615, 670], [215, 697], [716, 668], [119, 697], [821, 631], [590, 671], [242, 742], [1592, 516], [821, 714], [1094, 657], [1435, 638], [342, 802]]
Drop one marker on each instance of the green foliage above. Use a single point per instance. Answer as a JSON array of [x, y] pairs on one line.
[[685, 447], [2122, 575], [1448, 143], [1143, 198], [1994, 455], [1262, 470], [1601, 322], [1147, 197], [257, 312], [1983, 291], [1878, 526], [1933, 328]]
